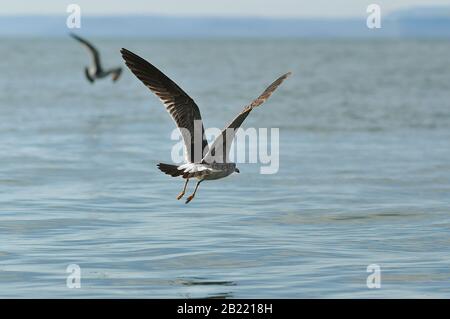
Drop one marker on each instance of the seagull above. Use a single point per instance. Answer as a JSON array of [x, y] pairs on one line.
[[95, 71], [186, 114]]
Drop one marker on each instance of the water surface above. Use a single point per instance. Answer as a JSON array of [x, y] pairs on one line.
[[364, 172]]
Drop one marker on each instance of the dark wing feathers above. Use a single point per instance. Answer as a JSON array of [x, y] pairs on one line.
[[180, 106], [220, 144], [236, 123], [268, 92], [94, 52]]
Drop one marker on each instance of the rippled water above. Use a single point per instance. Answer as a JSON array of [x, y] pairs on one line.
[[364, 172]]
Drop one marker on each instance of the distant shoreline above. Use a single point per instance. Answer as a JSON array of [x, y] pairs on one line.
[[140, 26]]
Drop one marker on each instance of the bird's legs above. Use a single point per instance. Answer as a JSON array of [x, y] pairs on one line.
[[184, 189], [193, 194]]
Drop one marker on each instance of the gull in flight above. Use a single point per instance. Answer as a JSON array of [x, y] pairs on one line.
[[186, 114], [95, 71]]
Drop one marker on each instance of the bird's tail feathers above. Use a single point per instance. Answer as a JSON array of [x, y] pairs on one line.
[[170, 169], [116, 74]]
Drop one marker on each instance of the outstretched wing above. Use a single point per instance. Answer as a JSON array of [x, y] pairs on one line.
[[92, 50], [180, 106], [220, 148]]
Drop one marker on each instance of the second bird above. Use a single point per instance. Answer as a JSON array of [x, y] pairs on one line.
[[95, 71]]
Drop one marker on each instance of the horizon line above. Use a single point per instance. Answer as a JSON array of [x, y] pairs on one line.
[[225, 16]]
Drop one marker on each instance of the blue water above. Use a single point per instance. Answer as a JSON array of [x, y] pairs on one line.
[[364, 172]]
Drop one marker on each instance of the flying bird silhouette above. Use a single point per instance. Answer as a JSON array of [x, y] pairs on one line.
[[186, 114], [95, 71]]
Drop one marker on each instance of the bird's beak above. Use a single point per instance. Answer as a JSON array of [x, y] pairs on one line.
[[236, 170]]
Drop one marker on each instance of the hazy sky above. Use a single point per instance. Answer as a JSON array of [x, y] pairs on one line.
[[276, 8]]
